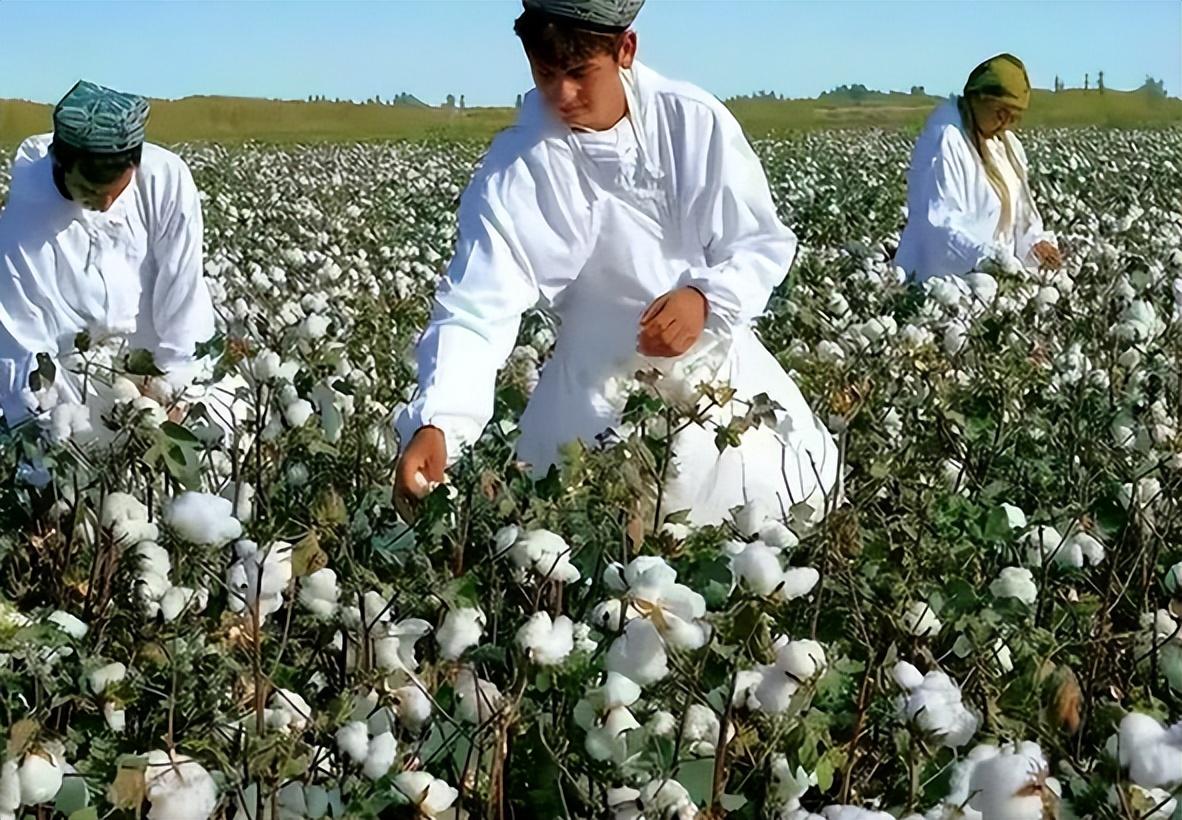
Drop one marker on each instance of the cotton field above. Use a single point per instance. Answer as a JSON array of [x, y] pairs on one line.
[[210, 606]]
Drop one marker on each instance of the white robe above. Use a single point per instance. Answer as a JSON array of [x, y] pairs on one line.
[[134, 271], [595, 227], [953, 210]]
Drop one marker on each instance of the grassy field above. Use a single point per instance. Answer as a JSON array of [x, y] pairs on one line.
[[233, 119]]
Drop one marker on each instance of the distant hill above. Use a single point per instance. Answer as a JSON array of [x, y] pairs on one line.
[[237, 119]]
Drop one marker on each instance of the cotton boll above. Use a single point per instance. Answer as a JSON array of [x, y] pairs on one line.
[[313, 327], [287, 710], [1152, 753], [104, 676], [758, 568], [907, 676], [10, 788], [546, 642], [461, 630], [379, 757], [297, 413], [701, 729], [177, 600], [1015, 582], [319, 593], [178, 788], [429, 795], [747, 682], [115, 718], [1011, 785], [202, 519], [476, 700], [617, 690], [66, 622], [608, 740], [920, 620], [935, 705], [667, 799], [412, 706], [40, 778], [546, 554], [353, 741], [639, 653]]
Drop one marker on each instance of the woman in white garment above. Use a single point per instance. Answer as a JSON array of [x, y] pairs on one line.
[[968, 193], [102, 235], [633, 207]]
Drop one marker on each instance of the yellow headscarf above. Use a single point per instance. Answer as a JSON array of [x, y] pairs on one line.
[[1002, 77]]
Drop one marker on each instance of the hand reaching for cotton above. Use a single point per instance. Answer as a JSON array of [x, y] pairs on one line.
[[672, 324], [422, 465]]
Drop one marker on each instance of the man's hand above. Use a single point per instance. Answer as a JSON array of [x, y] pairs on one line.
[[672, 324], [422, 465], [1048, 256]]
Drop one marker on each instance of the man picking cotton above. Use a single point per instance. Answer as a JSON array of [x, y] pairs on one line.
[[102, 235], [633, 207]]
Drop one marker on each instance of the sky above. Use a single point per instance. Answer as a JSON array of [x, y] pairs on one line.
[[354, 49]]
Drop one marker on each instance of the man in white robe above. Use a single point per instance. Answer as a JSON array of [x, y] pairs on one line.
[[101, 235], [633, 207], [968, 193]]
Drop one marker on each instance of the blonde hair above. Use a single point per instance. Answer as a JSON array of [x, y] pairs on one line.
[[992, 172]]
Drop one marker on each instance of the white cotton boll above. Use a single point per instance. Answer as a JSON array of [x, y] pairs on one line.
[[661, 724], [678, 532], [127, 519], [920, 620], [547, 642], [395, 651], [803, 660], [747, 681], [319, 593], [123, 390], [584, 642], [624, 804], [797, 582], [936, 707], [1002, 657], [40, 778], [830, 351], [1015, 582], [608, 740], [1041, 544], [1152, 753], [956, 336], [66, 622], [412, 706], [243, 510], [379, 756], [430, 795], [202, 519], [116, 719], [178, 788], [701, 729], [176, 600], [775, 534], [639, 653], [907, 676], [10, 788], [476, 700], [104, 676], [667, 799], [1007, 786], [616, 691], [608, 616], [313, 327], [461, 630], [850, 813], [287, 710], [758, 568], [297, 413], [752, 516], [353, 741], [1086, 548], [149, 413], [546, 553]]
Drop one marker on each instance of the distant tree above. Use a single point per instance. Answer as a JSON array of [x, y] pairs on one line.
[[1100, 81], [917, 91], [451, 101], [1058, 84], [517, 104], [462, 105], [1087, 81], [1154, 88], [377, 98]]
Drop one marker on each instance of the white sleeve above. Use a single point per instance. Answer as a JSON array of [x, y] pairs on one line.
[[182, 312], [523, 236], [950, 243], [1033, 231], [748, 249]]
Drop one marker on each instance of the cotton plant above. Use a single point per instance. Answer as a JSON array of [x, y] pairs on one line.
[[933, 702]]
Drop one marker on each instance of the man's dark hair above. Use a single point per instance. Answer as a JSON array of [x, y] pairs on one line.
[[97, 169], [555, 43]]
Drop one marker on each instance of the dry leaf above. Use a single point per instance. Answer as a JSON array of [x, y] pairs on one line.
[[128, 790], [1067, 705], [20, 736], [307, 556]]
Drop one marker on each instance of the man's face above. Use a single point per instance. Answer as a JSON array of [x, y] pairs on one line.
[[94, 197], [588, 94]]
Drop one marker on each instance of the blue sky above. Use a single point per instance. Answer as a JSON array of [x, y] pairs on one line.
[[354, 49]]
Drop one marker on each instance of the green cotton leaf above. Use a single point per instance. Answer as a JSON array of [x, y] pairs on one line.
[[698, 778], [997, 525], [179, 434], [212, 348], [73, 796], [142, 363], [85, 814], [461, 592]]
